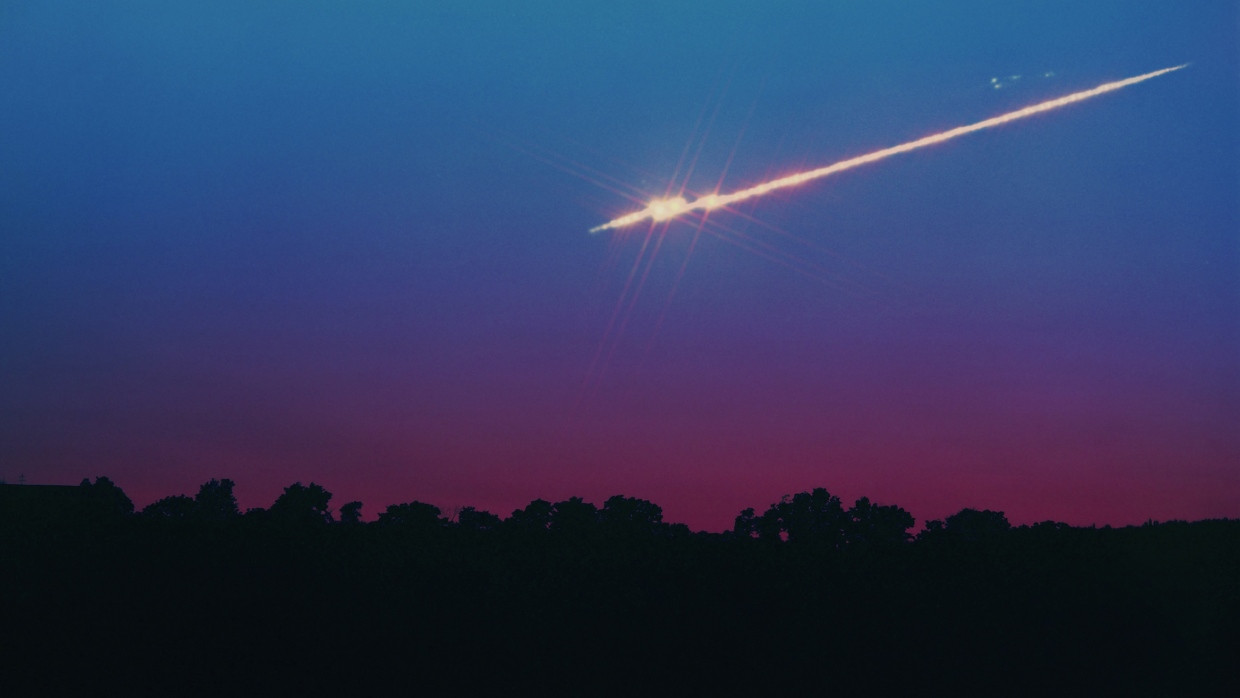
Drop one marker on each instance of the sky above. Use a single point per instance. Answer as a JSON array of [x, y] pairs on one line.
[[347, 243]]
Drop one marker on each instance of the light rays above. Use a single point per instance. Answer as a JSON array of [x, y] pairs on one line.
[[865, 288], [671, 207]]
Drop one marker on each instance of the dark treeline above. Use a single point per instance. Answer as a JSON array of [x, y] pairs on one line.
[[191, 595]]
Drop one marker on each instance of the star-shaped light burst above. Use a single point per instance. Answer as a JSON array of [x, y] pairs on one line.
[[666, 209]]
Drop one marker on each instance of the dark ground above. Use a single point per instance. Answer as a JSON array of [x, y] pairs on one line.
[[96, 600]]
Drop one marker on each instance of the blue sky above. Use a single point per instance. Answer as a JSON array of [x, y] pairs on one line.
[[346, 243]]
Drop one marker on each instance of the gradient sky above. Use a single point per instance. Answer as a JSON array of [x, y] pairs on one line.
[[346, 243]]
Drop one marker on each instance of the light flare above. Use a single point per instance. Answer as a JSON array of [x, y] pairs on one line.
[[665, 209]]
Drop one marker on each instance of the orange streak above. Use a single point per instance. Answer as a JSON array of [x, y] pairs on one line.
[[664, 209]]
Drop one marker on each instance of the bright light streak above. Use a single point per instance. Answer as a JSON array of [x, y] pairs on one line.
[[665, 209]]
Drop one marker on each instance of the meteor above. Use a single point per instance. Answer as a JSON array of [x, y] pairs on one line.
[[666, 209]]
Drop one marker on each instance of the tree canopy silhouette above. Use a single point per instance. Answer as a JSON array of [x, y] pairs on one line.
[[351, 513], [302, 505], [569, 595], [418, 516], [104, 500], [573, 516], [535, 517], [818, 519], [215, 501], [968, 526], [631, 515], [471, 519], [177, 507]]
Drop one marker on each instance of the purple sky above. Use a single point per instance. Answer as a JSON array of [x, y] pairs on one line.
[[348, 245]]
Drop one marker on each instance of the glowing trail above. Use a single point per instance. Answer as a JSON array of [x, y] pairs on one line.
[[664, 209]]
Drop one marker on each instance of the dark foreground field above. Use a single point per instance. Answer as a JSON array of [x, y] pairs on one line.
[[569, 599]]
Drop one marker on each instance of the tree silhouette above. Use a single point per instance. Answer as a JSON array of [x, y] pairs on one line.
[[351, 513], [631, 516], [968, 526], [806, 518], [574, 516], [872, 525], [302, 505], [770, 525], [746, 524], [104, 499], [973, 606], [177, 507], [215, 501], [418, 516], [471, 519], [535, 517]]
